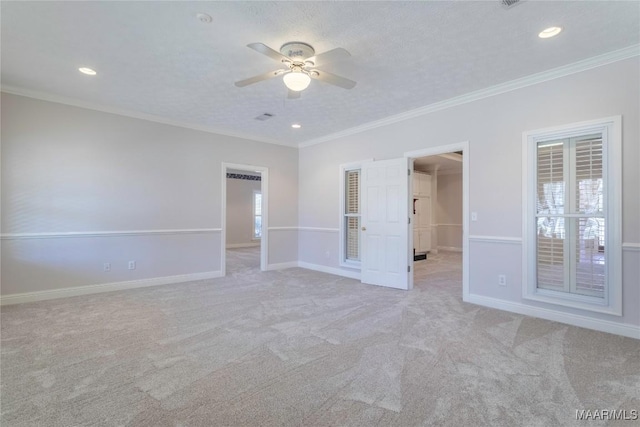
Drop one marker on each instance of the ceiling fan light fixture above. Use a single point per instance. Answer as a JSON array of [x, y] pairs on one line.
[[296, 80]]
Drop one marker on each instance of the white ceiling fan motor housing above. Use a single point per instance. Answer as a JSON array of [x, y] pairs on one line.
[[297, 51]]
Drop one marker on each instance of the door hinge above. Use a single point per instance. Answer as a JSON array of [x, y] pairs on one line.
[[409, 220], [409, 172], [408, 269]]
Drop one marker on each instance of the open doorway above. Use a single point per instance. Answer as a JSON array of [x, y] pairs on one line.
[[244, 218], [439, 199]]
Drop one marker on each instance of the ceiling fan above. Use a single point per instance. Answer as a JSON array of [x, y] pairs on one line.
[[299, 61]]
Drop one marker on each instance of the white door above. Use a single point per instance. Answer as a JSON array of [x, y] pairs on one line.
[[385, 223]]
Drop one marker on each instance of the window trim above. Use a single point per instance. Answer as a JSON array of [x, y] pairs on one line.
[[611, 129]]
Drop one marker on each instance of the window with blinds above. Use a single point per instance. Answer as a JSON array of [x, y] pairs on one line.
[[570, 216], [352, 215]]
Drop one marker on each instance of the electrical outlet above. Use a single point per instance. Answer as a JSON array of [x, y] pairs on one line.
[[132, 265], [106, 266], [474, 216], [502, 280]]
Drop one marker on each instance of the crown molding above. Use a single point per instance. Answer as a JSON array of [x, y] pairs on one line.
[[555, 73], [43, 96], [576, 67]]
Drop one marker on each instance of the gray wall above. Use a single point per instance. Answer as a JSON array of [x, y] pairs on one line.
[[449, 210], [82, 187], [240, 212], [493, 126]]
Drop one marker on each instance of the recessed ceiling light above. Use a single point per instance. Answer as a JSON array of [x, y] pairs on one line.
[[204, 18], [87, 71], [296, 126], [549, 32]]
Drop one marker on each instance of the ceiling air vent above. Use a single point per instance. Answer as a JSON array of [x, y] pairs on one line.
[[508, 4], [265, 116]]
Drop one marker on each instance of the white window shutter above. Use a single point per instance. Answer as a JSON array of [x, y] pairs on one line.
[[589, 190], [551, 265], [352, 214]]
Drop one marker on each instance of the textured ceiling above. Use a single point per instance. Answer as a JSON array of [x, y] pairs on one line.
[[156, 58]]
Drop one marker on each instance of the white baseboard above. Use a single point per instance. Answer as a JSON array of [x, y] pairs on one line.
[[105, 287], [331, 270], [449, 248], [623, 329], [282, 265], [242, 245], [315, 267]]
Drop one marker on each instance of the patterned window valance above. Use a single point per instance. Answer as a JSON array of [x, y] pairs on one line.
[[243, 176]]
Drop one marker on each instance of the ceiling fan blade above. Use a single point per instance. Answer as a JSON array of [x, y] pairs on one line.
[[259, 78], [266, 50], [292, 94], [329, 56], [323, 76]]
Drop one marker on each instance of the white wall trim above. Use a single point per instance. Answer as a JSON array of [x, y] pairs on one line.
[[631, 247], [242, 245], [119, 233], [496, 239], [282, 265], [330, 270], [611, 131], [443, 149], [15, 90], [439, 149], [576, 67], [282, 228], [623, 329], [320, 229], [104, 287]]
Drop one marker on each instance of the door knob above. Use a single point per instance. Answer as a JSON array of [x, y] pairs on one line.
[[364, 228]]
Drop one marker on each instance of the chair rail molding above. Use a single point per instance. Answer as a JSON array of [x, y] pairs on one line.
[[116, 233]]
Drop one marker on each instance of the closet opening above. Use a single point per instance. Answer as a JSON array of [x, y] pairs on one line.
[[244, 219], [438, 201]]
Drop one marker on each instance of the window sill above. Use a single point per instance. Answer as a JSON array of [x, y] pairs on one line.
[[581, 302], [351, 264]]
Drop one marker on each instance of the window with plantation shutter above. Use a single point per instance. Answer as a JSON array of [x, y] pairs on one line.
[[572, 247], [550, 218], [350, 219], [570, 216], [352, 215]]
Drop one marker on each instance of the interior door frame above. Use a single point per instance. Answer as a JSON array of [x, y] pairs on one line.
[[264, 189], [434, 151]]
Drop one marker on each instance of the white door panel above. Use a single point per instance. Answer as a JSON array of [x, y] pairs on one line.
[[385, 228]]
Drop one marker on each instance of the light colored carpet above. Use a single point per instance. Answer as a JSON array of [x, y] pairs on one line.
[[297, 347]]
